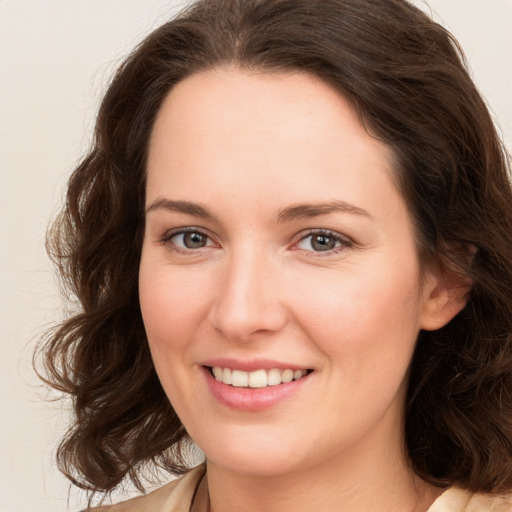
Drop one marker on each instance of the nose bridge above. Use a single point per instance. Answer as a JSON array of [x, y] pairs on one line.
[[248, 299]]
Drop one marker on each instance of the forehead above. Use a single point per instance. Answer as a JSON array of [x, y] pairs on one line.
[[289, 135], [228, 98]]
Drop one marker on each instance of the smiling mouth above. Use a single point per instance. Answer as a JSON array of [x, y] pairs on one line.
[[258, 378]]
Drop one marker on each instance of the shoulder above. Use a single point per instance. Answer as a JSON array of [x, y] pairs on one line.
[[461, 500], [486, 503], [174, 496]]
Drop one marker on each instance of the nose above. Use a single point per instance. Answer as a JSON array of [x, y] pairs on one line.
[[249, 300]]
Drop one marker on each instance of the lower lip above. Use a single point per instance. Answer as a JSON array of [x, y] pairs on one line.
[[252, 399]]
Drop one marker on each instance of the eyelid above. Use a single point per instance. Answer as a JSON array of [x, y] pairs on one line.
[[169, 234], [345, 241], [183, 229]]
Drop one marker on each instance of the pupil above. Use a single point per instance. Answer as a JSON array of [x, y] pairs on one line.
[[194, 240], [323, 243]]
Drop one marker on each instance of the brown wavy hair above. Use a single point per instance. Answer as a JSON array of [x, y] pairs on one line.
[[406, 77]]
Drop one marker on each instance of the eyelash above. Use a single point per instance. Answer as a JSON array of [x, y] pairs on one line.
[[342, 242], [166, 239]]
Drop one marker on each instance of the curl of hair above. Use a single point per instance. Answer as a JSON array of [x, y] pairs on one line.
[[406, 77]]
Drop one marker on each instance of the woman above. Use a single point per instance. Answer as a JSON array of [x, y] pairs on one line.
[[292, 244]]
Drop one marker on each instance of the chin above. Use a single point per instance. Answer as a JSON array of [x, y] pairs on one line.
[[255, 456], [263, 466]]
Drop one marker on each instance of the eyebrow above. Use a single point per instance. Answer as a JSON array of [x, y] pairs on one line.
[[181, 207], [311, 210], [288, 214]]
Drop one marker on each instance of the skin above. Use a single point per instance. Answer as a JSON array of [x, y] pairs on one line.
[[245, 146]]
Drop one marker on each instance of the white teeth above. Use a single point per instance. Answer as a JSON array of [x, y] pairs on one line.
[[256, 379], [273, 377], [239, 379], [287, 375], [226, 376]]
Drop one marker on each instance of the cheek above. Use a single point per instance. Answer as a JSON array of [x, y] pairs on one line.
[[172, 305], [364, 315]]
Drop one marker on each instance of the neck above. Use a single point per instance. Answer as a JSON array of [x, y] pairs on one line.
[[357, 484]]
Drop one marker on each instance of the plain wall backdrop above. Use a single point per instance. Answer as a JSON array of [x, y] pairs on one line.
[[55, 58]]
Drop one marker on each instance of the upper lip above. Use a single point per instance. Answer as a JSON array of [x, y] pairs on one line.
[[252, 364]]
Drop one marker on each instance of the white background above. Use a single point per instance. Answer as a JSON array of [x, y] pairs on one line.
[[55, 58]]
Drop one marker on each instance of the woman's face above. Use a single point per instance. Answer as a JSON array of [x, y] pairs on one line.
[[277, 246]]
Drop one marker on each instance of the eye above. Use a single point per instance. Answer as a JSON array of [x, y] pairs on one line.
[[322, 241], [188, 239]]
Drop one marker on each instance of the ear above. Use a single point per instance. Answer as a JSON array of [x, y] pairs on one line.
[[446, 292]]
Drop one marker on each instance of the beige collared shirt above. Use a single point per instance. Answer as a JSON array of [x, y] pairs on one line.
[[190, 494]]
